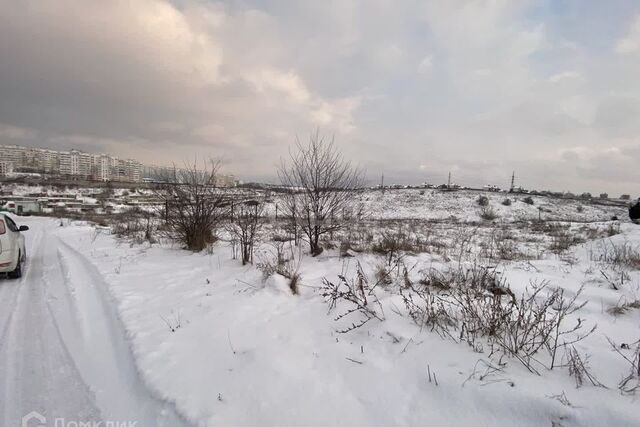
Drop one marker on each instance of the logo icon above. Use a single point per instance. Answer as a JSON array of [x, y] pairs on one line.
[[40, 419]]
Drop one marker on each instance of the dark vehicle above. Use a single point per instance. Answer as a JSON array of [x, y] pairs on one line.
[[634, 212]]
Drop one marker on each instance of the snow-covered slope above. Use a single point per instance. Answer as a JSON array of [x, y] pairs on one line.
[[231, 349]]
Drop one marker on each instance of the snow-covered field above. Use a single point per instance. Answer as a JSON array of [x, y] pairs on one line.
[[389, 205], [219, 344], [462, 205]]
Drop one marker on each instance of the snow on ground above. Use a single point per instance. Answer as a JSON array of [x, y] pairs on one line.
[[63, 349], [228, 348], [435, 204], [160, 335], [398, 203]]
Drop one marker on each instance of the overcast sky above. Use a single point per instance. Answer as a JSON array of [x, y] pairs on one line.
[[414, 89]]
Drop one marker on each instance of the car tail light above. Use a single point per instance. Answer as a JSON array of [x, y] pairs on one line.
[[2, 227]]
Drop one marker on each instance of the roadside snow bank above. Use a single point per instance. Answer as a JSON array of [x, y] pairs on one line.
[[228, 349]]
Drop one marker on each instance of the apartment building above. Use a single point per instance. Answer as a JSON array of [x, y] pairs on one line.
[[11, 154], [74, 164], [6, 168], [171, 173], [102, 165], [77, 164], [50, 161]]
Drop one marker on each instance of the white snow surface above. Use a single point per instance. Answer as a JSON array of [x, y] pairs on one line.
[[161, 335], [63, 349]]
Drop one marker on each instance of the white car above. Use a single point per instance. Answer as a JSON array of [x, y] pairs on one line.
[[13, 253]]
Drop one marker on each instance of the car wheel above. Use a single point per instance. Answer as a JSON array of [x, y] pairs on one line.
[[17, 273]]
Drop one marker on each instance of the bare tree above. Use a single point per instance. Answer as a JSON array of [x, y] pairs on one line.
[[245, 226], [320, 188], [192, 205]]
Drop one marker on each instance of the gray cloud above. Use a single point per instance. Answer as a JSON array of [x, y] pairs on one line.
[[414, 89]]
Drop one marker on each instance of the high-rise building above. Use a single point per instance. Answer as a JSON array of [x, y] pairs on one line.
[[11, 154], [80, 165], [74, 163], [5, 168], [172, 173]]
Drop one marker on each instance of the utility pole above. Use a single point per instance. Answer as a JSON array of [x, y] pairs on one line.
[[382, 183], [513, 180], [449, 182]]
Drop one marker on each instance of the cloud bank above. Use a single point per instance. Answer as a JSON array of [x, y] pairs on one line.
[[414, 89]]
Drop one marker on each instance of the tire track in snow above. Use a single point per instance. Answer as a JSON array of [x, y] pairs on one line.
[[36, 369], [9, 290], [111, 371], [63, 351]]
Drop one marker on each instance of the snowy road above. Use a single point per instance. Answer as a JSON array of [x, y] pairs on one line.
[[63, 350]]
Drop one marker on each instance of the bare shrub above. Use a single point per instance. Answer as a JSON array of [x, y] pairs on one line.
[[613, 229], [506, 202], [549, 228], [616, 277], [509, 250], [429, 310], [561, 242], [579, 368], [392, 243], [286, 263], [358, 296], [433, 278], [320, 189], [135, 224], [192, 205], [479, 305], [382, 275], [618, 254], [355, 239], [563, 399], [623, 306], [173, 322], [345, 248], [488, 372], [487, 213], [483, 201], [500, 244], [630, 384], [245, 225], [294, 282], [528, 200], [523, 327]]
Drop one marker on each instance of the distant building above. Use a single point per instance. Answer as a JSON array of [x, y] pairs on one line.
[[6, 168], [73, 164], [21, 207], [490, 187], [102, 167], [76, 164], [171, 173], [604, 196], [227, 180]]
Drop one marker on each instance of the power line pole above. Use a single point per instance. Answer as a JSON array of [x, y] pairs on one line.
[[382, 183], [513, 180], [449, 181]]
